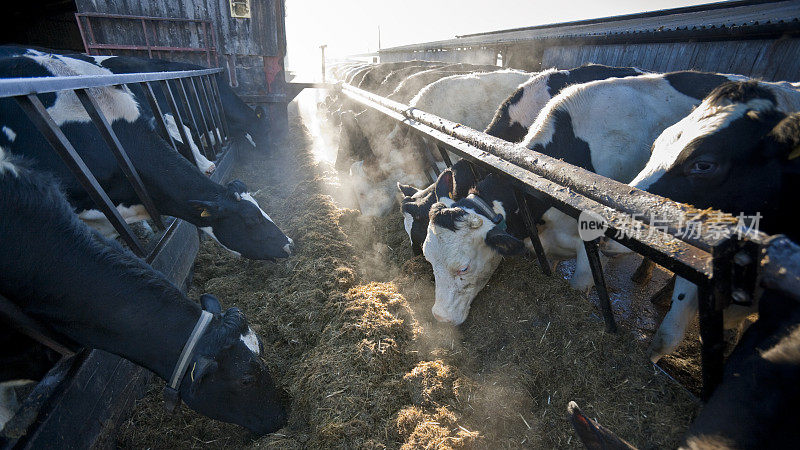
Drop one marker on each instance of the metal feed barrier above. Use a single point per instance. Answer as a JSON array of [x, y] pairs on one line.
[[205, 116], [727, 265], [68, 389]]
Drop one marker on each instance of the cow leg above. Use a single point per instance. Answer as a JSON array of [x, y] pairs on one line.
[[672, 329]]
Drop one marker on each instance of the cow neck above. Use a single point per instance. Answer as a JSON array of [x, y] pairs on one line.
[[146, 322], [172, 180]]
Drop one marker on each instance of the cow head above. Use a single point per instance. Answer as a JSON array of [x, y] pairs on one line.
[[465, 244], [734, 153], [453, 183], [258, 127], [236, 222], [228, 380]]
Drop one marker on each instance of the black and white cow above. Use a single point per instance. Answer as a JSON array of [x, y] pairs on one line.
[[513, 118], [735, 152], [229, 214], [756, 404], [98, 295], [243, 121], [469, 99], [605, 126], [518, 112]]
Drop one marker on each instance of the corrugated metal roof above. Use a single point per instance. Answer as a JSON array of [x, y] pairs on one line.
[[715, 16]]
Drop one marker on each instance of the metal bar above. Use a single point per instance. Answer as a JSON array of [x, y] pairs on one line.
[[445, 156], [176, 114], [147, 39], [11, 87], [23, 323], [157, 114], [209, 90], [193, 124], [713, 297], [688, 261], [38, 114], [600, 284], [711, 334], [610, 193], [125, 164], [159, 48], [203, 122], [92, 39], [533, 233], [82, 32], [217, 97], [134, 17], [214, 131]]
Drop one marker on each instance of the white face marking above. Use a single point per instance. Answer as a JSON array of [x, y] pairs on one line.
[[115, 102], [210, 232], [10, 134], [5, 164], [449, 251], [408, 222], [250, 139], [288, 247], [251, 341], [672, 329], [203, 164], [249, 197], [705, 120]]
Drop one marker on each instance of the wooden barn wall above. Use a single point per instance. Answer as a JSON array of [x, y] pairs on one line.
[[241, 43], [771, 60]]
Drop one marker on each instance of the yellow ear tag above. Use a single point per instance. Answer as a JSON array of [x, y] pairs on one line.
[[450, 194], [795, 153], [205, 213]]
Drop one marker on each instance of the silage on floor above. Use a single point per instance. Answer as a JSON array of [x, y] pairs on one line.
[[349, 334]]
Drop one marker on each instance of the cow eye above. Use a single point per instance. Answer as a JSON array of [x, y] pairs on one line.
[[463, 270], [702, 167]]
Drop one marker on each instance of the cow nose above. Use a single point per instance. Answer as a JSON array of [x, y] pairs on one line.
[[289, 248], [440, 318]]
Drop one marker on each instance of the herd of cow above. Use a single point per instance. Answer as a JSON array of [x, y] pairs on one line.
[[710, 140], [91, 291], [721, 141]]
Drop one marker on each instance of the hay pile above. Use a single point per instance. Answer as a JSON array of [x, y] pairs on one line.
[[348, 330]]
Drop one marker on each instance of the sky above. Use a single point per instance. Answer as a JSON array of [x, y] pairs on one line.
[[349, 26]]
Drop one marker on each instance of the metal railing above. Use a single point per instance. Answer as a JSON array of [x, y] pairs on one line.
[[191, 95], [726, 264], [206, 34]]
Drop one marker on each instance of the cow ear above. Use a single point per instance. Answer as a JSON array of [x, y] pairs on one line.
[[592, 434], [445, 185], [407, 189], [200, 370], [463, 178], [210, 304], [785, 137], [206, 209], [503, 243]]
